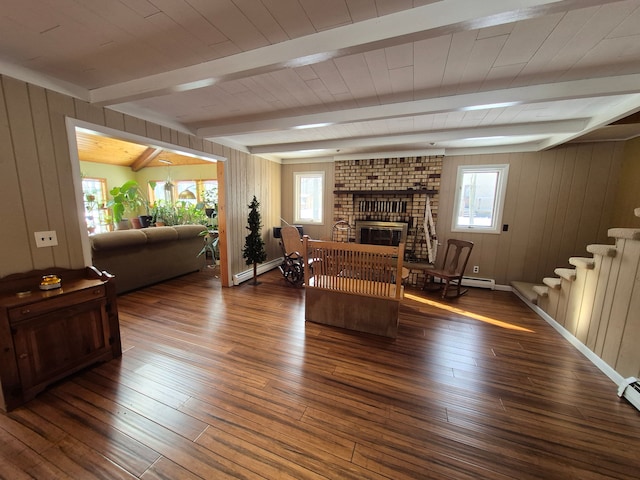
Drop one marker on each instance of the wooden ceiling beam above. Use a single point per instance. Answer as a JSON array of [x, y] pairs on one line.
[[535, 93], [631, 119], [428, 21], [426, 137], [145, 158]]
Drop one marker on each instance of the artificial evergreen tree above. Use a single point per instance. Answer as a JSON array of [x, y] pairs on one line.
[[254, 252]]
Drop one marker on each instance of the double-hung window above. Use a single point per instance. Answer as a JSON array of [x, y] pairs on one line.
[[480, 192], [308, 197]]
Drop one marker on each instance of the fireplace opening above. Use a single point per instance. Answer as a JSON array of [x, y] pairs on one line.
[[381, 233]]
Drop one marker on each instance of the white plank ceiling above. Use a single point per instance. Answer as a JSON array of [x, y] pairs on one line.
[[377, 77]]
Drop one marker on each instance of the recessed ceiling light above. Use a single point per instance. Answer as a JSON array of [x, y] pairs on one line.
[[488, 106], [495, 137], [312, 125], [312, 150], [185, 87]]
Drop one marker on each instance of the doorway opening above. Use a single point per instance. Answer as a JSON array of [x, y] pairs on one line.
[[104, 158]]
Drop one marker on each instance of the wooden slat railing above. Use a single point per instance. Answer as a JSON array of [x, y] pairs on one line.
[[373, 270]]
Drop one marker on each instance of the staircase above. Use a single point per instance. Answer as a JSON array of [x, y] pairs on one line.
[[596, 303]]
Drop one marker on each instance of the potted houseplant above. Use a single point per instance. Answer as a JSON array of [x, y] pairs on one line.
[[178, 213], [129, 197], [162, 214], [188, 213], [146, 219], [210, 246], [210, 197]]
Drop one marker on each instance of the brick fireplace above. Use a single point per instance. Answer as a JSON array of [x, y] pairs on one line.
[[388, 190]]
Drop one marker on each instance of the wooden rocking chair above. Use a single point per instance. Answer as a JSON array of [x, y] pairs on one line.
[[455, 262], [292, 267]]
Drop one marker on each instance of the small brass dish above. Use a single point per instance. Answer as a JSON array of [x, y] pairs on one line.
[[49, 282]]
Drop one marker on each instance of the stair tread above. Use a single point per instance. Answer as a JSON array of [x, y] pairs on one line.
[[602, 250], [584, 262], [566, 273], [526, 290], [541, 290], [552, 282], [626, 233]]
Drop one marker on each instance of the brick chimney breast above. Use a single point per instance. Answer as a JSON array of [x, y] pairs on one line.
[[392, 190]]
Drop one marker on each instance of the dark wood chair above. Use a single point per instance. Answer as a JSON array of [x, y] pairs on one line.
[[455, 262]]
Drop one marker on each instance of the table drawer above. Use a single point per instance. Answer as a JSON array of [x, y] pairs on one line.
[[49, 304]]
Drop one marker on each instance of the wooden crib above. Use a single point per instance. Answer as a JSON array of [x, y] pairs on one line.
[[354, 286]]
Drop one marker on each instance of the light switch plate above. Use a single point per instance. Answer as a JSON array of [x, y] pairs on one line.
[[46, 239]]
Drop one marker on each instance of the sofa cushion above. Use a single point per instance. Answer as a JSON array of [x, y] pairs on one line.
[[189, 231], [160, 234], [143, 257], [117, 239]]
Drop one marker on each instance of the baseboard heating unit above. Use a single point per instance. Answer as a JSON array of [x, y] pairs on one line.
[[630, 389], [238, 278], [479, 282], [474, 282]]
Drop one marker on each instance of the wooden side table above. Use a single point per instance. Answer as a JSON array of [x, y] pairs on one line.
[[45, 335]]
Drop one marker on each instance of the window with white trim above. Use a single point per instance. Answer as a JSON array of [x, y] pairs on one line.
[[96, 214], [308, 197], [479, 201], [189, 191]]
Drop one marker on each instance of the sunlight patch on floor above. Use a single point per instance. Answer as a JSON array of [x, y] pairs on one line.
[[475, 316]]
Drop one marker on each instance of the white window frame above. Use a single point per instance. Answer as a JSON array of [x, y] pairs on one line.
[[170, 194], [297, 180], [498, 204], [97, 214]]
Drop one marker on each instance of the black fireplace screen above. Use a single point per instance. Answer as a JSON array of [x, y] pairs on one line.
[[381, 233]]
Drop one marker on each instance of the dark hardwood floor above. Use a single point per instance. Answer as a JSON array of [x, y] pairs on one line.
[[231, 383]]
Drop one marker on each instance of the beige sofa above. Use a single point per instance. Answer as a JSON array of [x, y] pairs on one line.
[[146, 256]]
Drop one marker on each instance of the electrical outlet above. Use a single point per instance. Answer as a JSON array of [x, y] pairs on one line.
[[476, 269], [46, 239]]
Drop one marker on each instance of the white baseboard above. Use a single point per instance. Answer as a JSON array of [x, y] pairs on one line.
[[581, 347], [245, 275]]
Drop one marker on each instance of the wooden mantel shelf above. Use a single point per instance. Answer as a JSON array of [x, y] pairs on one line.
[[386, 192]]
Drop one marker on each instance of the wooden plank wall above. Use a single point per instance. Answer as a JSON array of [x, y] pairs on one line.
[[628, 193], [36, 177], [246, 176], [557, 202], [15, 252]]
